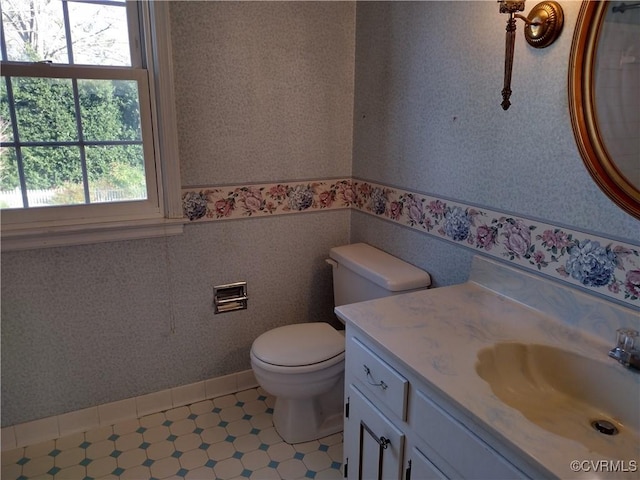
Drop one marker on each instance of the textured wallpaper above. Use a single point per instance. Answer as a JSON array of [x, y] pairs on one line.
[[596, 263], [404, 97], [264, 92], [427, 114]]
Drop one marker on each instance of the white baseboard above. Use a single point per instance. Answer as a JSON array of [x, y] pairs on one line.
[[57, 426]]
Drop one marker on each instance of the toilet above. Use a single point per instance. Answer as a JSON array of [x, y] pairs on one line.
[[302, 365]]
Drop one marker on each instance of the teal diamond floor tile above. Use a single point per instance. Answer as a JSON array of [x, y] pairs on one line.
[[169, 453]]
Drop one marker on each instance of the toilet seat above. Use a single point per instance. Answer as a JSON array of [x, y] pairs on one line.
[[302, 346]]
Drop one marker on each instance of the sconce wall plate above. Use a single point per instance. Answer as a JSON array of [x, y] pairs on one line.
[[545, 24]]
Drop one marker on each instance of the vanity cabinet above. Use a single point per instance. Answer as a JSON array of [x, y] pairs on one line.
[[396, 427]]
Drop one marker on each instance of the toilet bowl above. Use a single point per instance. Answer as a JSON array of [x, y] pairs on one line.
[[302, 365]]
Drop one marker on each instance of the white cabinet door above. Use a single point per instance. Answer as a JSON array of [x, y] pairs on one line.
[[421, 468], [458, 446], [373, 445]]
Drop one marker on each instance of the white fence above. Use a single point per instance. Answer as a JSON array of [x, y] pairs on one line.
[[39, 198]]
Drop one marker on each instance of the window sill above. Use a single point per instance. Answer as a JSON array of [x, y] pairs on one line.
[[67, 235]]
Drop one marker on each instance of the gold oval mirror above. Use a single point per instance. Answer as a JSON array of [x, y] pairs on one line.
[[596, 67]]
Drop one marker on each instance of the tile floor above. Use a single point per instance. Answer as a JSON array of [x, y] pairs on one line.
[[226, 437]]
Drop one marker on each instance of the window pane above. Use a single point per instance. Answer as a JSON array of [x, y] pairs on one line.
[[100, 34], [45, 109], [116, 173], [53, 153], [10, 194], [34, 30], [110, 110], [53, 175], [6, 132]]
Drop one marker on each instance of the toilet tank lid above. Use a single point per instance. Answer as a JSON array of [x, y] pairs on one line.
[[381, 268]]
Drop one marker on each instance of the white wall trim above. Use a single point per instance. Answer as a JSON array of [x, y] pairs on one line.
[[51, 428]]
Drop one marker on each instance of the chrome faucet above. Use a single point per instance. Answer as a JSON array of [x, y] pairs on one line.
[[627, 349]]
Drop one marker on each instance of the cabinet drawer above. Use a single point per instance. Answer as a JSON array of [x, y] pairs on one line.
[[457, 445], [378, 377]]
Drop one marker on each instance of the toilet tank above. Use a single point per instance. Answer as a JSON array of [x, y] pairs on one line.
[[362, 272]]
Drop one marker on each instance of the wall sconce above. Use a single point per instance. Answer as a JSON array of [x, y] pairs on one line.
[[542, 26]]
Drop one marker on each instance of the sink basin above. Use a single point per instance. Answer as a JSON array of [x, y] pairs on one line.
[[564, 393]]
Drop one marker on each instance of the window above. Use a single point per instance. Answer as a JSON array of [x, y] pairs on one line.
[[87, 143]]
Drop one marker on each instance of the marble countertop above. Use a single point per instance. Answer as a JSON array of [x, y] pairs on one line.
[[437, 335]]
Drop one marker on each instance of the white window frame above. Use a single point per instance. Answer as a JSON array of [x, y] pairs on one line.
[[161, 214]]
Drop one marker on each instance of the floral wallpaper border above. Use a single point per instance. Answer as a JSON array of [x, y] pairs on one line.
[[599, 264], [226, 203]]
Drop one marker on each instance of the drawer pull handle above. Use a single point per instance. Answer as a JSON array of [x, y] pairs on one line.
[[372, 380]]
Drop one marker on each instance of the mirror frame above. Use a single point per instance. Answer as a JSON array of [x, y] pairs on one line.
[[583, 111]]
